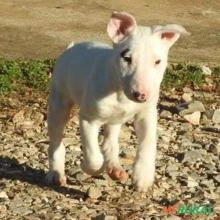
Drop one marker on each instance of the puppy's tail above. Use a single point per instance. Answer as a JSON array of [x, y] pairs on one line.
[[70, 45]]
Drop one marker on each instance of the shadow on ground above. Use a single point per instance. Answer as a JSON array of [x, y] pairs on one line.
[[11, 169]]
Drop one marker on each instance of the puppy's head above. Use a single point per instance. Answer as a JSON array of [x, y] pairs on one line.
[[141, 54]]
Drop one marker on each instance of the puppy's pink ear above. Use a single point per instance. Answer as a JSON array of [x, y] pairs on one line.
[[121, 24], [169, 34]]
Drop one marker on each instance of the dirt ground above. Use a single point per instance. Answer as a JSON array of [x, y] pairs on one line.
[[42, 29]]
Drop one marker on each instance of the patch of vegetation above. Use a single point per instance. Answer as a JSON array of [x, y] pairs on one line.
[[216, 75], [18, 75], [34, 74], [180, 75]]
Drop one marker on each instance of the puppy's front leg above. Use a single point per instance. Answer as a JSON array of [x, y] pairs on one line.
[[93, 160], [111, 152], [144, 167]]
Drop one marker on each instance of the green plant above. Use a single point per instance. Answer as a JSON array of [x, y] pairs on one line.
[[16, 75]]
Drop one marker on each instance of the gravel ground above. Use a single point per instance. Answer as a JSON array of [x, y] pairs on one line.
[[187, 168]]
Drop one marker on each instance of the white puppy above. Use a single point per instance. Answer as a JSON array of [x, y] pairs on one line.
[[111, 85]]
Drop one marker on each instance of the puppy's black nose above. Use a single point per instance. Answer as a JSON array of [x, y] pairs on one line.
[[139, 97]]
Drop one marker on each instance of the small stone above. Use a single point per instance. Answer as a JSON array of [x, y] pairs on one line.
[[192, 156], [216, 116], [196, 106], [105, 217], [215, 149], [18, 117], [187, 90], [187, 97], [101, 182], [217, 178], [31, 218], [173, 217], [191, 108], [166, 114], [45, 199], [3, 212], [208, 183], [165, 139], [206, 70], [171, 167], [68, 141], [94, 192], [186, 127], [3, 196], [209, 114], [80, 176], [29, 133], [77, 162], [191, 182], [193, 118]]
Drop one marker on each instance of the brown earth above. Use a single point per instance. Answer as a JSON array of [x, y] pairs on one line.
[[42, 29]]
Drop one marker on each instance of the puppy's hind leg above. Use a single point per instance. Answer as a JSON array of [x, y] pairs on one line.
[[58, 115]]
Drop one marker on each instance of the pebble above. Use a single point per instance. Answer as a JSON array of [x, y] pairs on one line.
[[217, 178], [166, 114], [80, 176], [3, 212], [68, 141], [172, 167], [94, 192], [187, 97], [188, 90], [192, 156], [192, 182], [193, 118], [206, 70], [215, 148], [105, 217], [209, 114], [3, 196], [216, 116], [172, 217]]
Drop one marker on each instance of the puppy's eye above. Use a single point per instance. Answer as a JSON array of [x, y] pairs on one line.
[[157, 62], [127, 59], [126, 56]]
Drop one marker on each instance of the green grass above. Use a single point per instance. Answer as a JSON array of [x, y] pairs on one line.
[[18, 75]]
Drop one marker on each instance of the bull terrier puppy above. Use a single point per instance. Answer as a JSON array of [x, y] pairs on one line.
[[111, 85]]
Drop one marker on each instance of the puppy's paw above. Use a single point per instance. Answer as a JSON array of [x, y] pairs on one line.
[[117, 173], [54, 178], [143, 177]]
